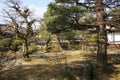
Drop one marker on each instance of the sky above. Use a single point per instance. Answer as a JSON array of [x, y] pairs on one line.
[[38, 6]]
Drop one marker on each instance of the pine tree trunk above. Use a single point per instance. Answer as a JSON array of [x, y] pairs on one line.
[[102, 35]]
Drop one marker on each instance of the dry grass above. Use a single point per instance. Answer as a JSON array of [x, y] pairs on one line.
[[45, 66]]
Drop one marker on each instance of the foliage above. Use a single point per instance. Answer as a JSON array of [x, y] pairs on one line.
[[68, 35], [6, 42], [12, 44], [60, 17], [16, 43], [89, 19], [44, 34], [33, 48], [115, 21], [94, 38]]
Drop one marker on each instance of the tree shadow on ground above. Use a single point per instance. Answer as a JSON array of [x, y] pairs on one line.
[[112, 71], [82, 70], [47, 72], [28, 72], [77, 70], [114, 59], [87, 70]]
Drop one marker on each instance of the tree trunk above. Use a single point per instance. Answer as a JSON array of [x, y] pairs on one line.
[[25, 49], [60, 44], [47, 44], [102, 35]]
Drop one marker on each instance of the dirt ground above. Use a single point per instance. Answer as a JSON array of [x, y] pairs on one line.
[[50, 66]]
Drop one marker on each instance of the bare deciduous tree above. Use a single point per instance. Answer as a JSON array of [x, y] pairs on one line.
[[20, 20]]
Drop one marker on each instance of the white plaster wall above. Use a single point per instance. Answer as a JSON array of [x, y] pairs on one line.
[[114, 38]]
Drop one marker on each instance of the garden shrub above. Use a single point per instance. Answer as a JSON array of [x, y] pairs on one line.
[[65, 46], [6, 42], [77, 47], [49, 48], [16, 44], [33, 48], [94, 38], [13, 45]]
